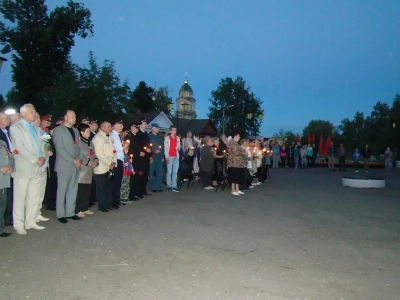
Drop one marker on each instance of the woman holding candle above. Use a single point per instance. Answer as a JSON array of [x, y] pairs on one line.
[[89, 162], [128, 172], [236, 163], [218, 162]]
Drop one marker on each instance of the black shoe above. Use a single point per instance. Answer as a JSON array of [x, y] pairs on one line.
[[160, 191], [8, 224], [76, 218], [135, 198], [140, 197], [51, 208], [154, 191], [122, 203], [147, 194], [63, 220], [5, 234], [115, 206], [105, 210]]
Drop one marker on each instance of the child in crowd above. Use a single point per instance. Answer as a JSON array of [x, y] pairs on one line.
[[128, 171]]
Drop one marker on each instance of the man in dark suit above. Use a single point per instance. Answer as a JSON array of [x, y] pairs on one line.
[[5, 122], [134, 154], [94, 126], [144, 155]]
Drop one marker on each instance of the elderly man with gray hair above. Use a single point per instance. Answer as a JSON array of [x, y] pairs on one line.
[[30, 156]]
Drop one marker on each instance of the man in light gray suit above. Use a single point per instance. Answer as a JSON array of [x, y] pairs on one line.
[[29, 155], [68, 161]]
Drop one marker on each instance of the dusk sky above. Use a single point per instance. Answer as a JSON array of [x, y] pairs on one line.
[[305, 59]]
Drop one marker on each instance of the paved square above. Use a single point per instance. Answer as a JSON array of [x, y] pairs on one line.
[[299, 236]]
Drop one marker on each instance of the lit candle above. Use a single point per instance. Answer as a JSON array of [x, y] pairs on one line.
[[128, 141], [151, 145], [145, 148], [159, 146], [131, 155]]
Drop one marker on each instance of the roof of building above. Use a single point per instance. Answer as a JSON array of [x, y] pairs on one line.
[[186, 87], [150, 116], [197, 126]]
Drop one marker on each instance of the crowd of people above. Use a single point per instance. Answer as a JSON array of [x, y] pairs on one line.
[[71, 167]]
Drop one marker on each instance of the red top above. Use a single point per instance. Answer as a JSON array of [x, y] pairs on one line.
[[172, 146]]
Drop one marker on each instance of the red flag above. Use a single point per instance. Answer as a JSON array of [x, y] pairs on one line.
[[297, 138], [321, 144], [327, 144], [309, 139], [313, 139]]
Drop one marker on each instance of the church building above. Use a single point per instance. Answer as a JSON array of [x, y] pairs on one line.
[[186, 103]]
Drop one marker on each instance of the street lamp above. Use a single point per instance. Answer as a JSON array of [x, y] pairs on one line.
[[223, 117], [184, 109], [2, 59], [394, 125], [10, 111]]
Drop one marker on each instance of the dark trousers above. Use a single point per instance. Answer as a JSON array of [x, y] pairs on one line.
[[144, 178], [246, 177], [117, 182], [8, 213], [291, 162], [3, 203], [266, 170], [83, 197], [356, 166], [93, 197], [133, 186], [342, 163], [283, 159], [103, 191], [313, 159], [207, 175], [309, 158], [50, 195]]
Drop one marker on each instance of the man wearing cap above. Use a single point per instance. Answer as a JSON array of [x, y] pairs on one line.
[[134, 154], [93, 126], [156, 167], [45, 122], [85, 121], [117, 127], [144, 155]]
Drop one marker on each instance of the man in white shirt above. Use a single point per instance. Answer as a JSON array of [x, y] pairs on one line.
[[117, 127]]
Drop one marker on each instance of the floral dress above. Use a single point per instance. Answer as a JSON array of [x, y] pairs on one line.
[[128, 169]]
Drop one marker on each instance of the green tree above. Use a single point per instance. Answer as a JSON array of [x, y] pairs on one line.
[[2, 102], [317, 127], [162, 98], [395, 116], [379, 126], [41, 41], [230, 104], [102, 92], [143, 97], [284, 136]]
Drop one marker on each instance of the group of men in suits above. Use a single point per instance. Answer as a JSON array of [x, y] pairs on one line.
[[25, 157]]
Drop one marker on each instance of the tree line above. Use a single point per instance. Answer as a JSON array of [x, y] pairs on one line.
[[379, 130], [43, 73]]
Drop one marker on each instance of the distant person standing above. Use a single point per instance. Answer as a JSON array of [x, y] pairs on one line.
[[366, 153], [331, 157], [276, 149], [356, 159], [388, 156]]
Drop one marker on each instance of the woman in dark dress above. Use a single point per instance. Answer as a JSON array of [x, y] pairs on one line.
[[218, 162], [51, 185]]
